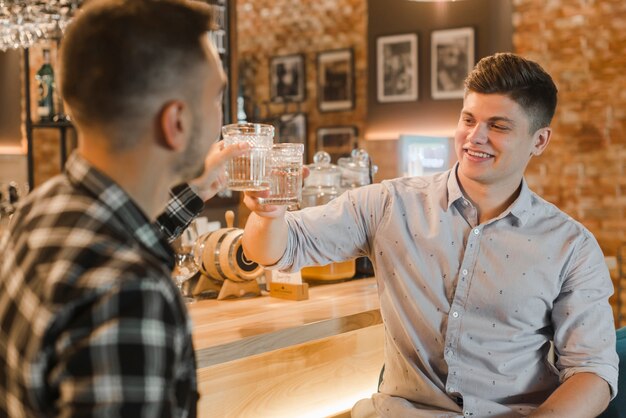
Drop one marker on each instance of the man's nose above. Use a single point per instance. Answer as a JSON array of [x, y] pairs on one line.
[[478, 134]]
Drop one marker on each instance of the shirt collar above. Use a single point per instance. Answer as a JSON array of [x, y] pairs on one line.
[[454, 189], [520, 208], [82, 174]]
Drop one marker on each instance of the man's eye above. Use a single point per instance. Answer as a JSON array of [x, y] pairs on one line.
[[500, 127]]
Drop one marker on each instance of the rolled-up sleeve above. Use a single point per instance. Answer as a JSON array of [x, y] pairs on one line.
[[584, 330]]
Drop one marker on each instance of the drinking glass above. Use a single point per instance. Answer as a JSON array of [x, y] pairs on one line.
[[285, 175], [10, 194], [5, 207], [248, 171], [184, 269], [185, 266]]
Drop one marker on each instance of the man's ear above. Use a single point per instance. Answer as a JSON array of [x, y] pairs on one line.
[[541, 138], [173, 125]]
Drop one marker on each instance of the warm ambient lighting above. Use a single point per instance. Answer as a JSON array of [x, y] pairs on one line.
[[342, 404], [23, 23], [12, 150], [376, 135]]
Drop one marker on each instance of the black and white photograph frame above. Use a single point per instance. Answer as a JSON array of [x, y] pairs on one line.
[[396, 68], [338, 141], [335, 80], [452, 58], [292, 129], [287, 78]]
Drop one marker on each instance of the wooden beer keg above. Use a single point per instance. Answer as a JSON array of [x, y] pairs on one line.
[[220, 256]]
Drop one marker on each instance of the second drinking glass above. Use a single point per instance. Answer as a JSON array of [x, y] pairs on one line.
[[285, 175]]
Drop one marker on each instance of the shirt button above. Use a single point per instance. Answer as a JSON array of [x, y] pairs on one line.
[[455, 314], [464, 272], [466, 413], [465, 203], [476, 231]]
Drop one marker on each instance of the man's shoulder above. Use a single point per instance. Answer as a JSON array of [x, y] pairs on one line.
[[547, 218], [556, 215], [433, 185], [87, 263], [70, 240], [60, 208], [56, 195]]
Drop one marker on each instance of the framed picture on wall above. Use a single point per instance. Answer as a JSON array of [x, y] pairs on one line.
[[287, 78], [452, 58], [335, 79], [338, 141], [292, 128], [396, 68]]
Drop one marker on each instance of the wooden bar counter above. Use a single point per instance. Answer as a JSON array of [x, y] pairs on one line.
[[269, 357]]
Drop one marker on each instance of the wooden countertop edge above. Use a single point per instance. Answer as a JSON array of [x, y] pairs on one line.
[[264, 343]]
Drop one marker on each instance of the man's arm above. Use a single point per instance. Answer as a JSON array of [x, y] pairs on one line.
[[187, 200], [265, 234], [583, 395], [183, 207], [584, 336]]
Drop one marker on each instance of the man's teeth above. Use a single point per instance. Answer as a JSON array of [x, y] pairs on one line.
[[478, 154]]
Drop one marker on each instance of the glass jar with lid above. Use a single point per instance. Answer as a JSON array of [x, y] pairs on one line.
[[356, 170], [321, 186], [323, 183]]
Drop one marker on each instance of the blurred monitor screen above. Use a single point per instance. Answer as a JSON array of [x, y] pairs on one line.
[[422, 155]]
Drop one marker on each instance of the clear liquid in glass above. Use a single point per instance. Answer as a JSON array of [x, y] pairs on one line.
[[248, 171], [285, 185]]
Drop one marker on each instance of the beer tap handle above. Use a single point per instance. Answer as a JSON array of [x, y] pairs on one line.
[[230, 218]]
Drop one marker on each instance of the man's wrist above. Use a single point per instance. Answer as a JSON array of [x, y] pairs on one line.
[[195, 189], [199, 191]]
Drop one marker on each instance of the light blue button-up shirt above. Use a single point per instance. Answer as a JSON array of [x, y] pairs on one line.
[[469, 309]]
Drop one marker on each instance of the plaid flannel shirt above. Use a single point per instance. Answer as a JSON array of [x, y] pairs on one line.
[[91, 323]]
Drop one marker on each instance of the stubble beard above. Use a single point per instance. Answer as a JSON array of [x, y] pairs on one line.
[[191, 163]]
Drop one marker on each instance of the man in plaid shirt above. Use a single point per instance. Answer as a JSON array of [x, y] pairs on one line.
[[90, 321]]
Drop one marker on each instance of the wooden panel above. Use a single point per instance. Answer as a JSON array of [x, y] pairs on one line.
[[221, 322], [317, 379], [268, 357], [284, 338]]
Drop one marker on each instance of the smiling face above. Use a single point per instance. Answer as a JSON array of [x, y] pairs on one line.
[[494, 142]]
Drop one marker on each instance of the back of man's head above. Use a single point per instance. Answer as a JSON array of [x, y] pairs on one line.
[[524, 81], [121, 59]]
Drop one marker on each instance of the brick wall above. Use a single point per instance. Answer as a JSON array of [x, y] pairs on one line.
[[582, 44], [267, 28]]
